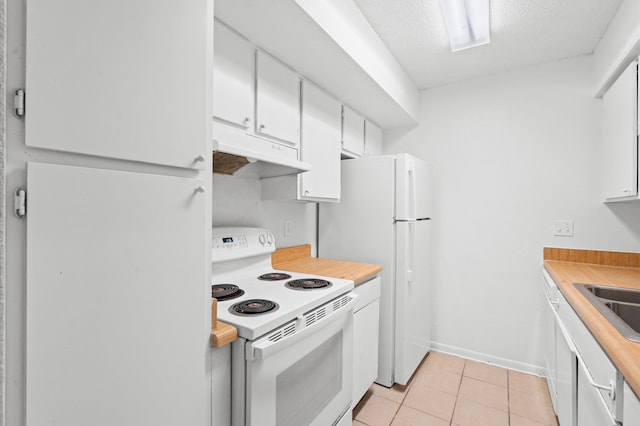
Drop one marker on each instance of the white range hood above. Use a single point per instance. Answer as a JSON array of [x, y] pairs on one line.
[[269, 158]]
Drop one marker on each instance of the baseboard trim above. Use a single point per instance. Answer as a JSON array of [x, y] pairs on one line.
[[490, 359]]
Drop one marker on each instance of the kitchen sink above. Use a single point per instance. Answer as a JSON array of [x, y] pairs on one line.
[[620, 306]]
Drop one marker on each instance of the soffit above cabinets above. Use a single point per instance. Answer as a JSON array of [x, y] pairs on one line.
[[374, 84]]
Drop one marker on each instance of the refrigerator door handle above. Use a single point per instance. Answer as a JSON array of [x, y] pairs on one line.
[[412, 245], [412, 192]]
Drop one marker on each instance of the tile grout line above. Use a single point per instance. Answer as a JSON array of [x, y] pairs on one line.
[[455, 404], [508, 398]]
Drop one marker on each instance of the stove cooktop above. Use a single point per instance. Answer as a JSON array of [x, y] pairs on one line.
[[289, 302], [241, 256]]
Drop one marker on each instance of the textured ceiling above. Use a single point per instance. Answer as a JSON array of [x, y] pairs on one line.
[[523, 33]]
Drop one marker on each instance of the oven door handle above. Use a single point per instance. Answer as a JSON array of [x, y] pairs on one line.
[[332, 323]]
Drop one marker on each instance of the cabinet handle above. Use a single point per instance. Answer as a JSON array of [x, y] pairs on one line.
[[200, 189], [200, 158], [247, 120], [626, 190], [262, 127], [610, 388]]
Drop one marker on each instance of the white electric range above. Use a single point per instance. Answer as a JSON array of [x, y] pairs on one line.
[[292, 362]]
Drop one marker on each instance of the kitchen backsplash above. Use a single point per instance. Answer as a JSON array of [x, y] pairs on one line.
[[236, 202]]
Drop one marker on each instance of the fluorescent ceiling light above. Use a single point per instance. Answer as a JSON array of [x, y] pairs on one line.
[[467, 22]]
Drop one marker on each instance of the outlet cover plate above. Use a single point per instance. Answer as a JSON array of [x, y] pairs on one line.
[[563, 228]]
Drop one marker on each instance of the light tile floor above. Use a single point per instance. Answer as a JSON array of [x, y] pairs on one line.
[[450, 391]]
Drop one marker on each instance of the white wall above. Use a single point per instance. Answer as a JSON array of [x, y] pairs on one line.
[[236, 202], [510, 153]]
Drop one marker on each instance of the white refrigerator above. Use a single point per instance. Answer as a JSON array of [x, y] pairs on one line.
[[385, 217]]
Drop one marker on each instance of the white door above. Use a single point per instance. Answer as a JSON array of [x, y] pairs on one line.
[[631, 407], [277, 100], [591, 409], [620, 156], [233, 77], [548, 330], [413, 301], [352, 133], [566, 371], [125, 79], [320, 144], [304, 378], [118, 304]]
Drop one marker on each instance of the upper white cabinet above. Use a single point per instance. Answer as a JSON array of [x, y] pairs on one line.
[[320, 144], [320, 147], [352, 133], [277, 100], [620, 137], [372, 139], [233, 78], [102, 85]]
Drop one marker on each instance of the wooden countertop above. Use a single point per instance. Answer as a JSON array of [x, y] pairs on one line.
[[221, 333], [298, 259], [604, 268]]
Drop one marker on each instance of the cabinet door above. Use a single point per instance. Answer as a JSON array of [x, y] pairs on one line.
[[320, 144], [631, 407], [548, 325], [118, 305], [591, 409], [566, 367], [232, 77], [121, 79], [620, 155], [277, 100], [372, 139], [365, 349], [352, 133]]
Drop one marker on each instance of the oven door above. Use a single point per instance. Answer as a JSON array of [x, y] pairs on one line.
[[301, 374]]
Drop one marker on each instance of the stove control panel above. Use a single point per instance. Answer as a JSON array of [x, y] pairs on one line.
[[232, 243]]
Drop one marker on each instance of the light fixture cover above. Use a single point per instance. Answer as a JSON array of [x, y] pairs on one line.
[[467, 22]]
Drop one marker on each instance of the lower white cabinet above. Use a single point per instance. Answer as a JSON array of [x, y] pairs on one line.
[[366, 316], [221, 385], [588, 387], [631, 415], [599, 385], [118, 301], [559, 354], [566, 364], [590, 409], [548, 332]]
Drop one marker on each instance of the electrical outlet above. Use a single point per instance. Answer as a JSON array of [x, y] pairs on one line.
[[288, 224], [563, 228]]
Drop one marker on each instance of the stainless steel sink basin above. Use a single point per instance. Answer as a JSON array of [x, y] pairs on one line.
[[614, 293], [620, 306]]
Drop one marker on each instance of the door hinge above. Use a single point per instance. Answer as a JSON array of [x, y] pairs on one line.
[[20, 202], [18, 103]]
